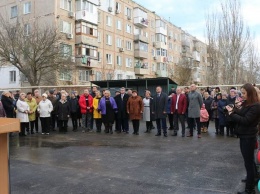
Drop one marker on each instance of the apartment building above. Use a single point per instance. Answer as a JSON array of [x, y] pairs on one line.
[[114, 39]]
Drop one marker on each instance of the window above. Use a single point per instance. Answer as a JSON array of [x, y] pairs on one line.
[[27, 29], [119, 43], [161, 38], [109, 21], [128, 62], [170, 45], [143, 46], [89, 51], [161, 52], [89, 29], [118, 60], [14, 11], [99, 57], [65, 75], [12, 76], [129, 77], [153, 52], [128, 28], [99, 36], [129, 45], [118, 25], [66, 4], [27, 8], [98, 76], [109, 76], [109, 58], [118, 7], [88, 6], [161, 66], [99, 17], [109, 40], [128, 12], [65, 27], [66, 50], [119, 76], [83, 75]]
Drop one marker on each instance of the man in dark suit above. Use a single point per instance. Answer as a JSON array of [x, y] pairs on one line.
[[122, 115], [160, 111], [178, 109]]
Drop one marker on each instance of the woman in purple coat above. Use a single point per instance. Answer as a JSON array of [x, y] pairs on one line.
[[107, 106]]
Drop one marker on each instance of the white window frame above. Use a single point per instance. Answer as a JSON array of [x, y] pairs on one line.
[[84, 75], [108, 21], [63, 27], [27, 8], [119, 76], [129, 45], [66, 5], [118, 43], [14, 11], [27, 29], [118, 60], [65, 75], [128, 62], [118, 7], [99, 36], [129, 28], [108, 39], [109, 59], [98, 76], [118, 25], [12, 76]]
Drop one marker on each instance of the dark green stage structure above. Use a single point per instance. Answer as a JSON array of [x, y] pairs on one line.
[[137, 84]]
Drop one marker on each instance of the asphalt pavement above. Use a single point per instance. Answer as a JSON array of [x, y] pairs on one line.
[[92, 163]]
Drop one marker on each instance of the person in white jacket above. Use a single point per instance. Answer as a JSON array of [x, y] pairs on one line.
[[44, 108], [22, 113]]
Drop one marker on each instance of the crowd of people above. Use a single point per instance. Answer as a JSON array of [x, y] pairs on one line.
[[184, 105], [238, 111]]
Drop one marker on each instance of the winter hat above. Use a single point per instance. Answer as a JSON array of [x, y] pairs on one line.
[[44, 95]]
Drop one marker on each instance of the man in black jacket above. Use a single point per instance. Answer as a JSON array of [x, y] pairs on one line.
[[122, 115], [160, 111]]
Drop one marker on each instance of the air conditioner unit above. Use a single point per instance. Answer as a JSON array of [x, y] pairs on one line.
[[92, 72], [69, 36], [121, 49], [154, 44], [71, 14], [129, 17], [110, 9], [155, 58], [117, 11]]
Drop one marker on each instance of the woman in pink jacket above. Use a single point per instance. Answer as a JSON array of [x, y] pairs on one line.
[[204, 117]]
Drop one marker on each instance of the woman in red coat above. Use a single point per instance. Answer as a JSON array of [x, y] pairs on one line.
[[135, 108]]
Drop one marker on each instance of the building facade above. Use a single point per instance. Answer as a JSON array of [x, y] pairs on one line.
[[114, 39]]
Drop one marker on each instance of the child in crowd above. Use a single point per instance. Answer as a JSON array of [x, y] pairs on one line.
[[204, 117]]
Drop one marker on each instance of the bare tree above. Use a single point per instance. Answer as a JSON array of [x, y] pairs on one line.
[[32, 48], [183, 71], [229, 44]]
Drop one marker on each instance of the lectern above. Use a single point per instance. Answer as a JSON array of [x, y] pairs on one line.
[[6, 126]]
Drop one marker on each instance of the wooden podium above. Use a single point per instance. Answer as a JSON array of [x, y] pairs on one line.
[[6, 126]]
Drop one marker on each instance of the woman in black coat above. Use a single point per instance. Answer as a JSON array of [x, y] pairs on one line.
[[63, 113], [74, 108], [247, 118], [8, 104]]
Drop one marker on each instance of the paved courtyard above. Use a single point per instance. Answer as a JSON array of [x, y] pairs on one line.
[[77, 163]]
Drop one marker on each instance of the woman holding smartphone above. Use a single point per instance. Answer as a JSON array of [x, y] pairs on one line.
[[247, 117]]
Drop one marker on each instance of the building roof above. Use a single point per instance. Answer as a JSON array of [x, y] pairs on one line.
[[128, 83]]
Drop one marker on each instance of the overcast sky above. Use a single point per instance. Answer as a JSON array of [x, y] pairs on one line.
[[190, 14]]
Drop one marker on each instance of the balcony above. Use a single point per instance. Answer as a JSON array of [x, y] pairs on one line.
[[87, 16], [185, 43], [87, 62], [162, 45], [140, 54], [140, 18], [141, 71], [196, 56], [161, 73], [141, 38], [161, 27], [86, 40]]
